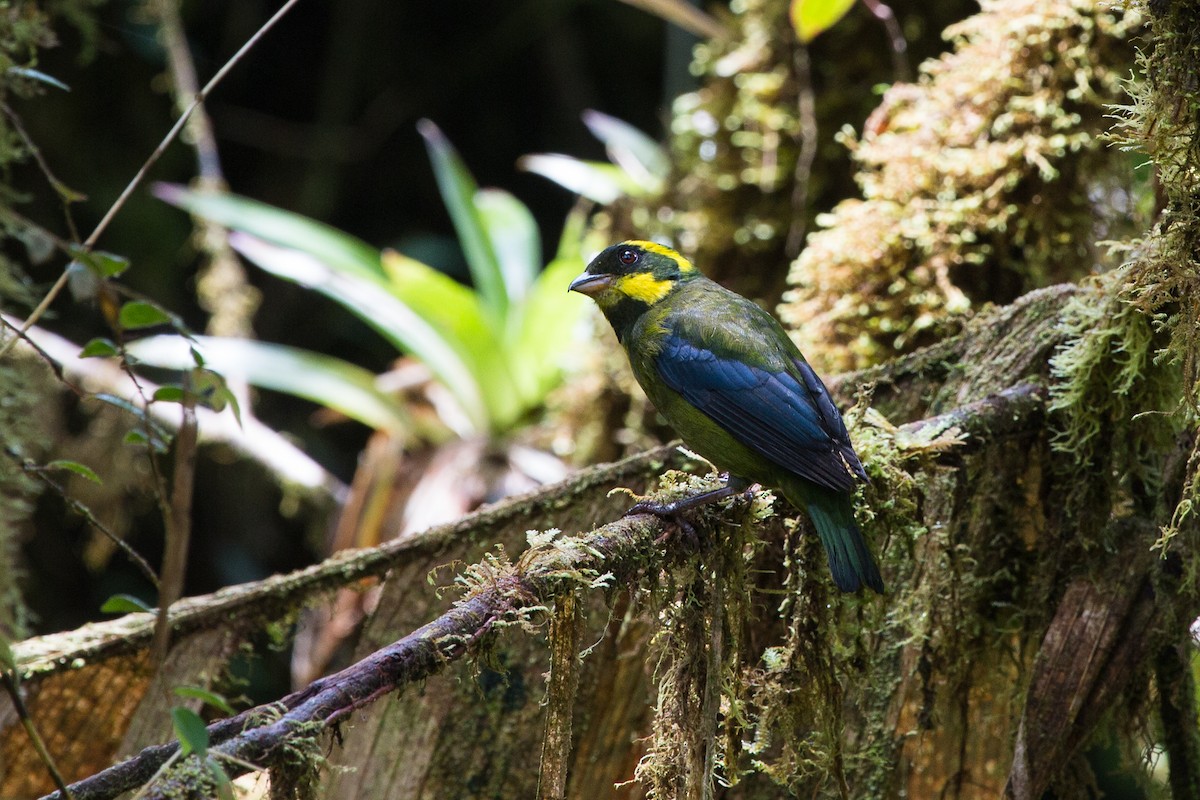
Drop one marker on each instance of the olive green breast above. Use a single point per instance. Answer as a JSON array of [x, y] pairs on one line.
[[728, 324]]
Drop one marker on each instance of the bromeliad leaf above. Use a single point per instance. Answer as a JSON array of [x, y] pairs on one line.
[[537, 357], [642, 158], [599, 182], [373, 300], [322, 379], [458, 189], [457, 313], [338, 250], [514, 236]]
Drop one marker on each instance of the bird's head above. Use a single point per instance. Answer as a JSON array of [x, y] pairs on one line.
[[632, 274]]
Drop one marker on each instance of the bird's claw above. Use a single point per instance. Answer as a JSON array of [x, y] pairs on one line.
[[672, 515]]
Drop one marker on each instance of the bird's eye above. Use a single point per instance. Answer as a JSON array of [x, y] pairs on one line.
[[628, 256]]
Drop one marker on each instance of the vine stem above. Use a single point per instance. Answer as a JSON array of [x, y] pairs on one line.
[[172, 134]]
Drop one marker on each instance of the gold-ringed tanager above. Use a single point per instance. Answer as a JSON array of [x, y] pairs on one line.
[[727, 377]]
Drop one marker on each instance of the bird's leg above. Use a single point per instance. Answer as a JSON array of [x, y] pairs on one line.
[[673, 511]]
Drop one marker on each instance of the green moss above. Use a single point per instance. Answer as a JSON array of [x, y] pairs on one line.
[[980, 182]]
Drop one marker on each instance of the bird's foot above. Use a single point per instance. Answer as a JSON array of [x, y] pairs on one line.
[[673, 511], [672, 514]]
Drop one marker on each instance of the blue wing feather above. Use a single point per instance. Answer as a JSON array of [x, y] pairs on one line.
[[788, 418]]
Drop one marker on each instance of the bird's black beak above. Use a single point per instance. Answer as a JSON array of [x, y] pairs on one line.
[[590, 284]]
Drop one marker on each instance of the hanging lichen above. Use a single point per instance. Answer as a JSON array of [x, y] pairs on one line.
[[980, 182]]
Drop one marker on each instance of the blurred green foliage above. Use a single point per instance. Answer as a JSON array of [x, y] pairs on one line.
[[497, 349]]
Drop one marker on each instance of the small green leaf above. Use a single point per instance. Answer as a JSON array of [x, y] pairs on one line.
[[170, 394], [77, 468], [99, 348], [213, 392], [213, 699], [811, 18], [224, 785], [124, 604], [138, 314], [138, 437], [101, 263], [191, 730], [110, 264]]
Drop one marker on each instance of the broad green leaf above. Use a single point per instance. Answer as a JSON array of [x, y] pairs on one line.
[[99, 348], [323, 379], [192, 733], [375, 301], [546, 333], [456, 312], [548, 321], [514, 235], [124, 604], [74, 466], [205, 696], [642, 158], [458, 190], [601, 183], [327, 244], [811, 18], [137, 314]]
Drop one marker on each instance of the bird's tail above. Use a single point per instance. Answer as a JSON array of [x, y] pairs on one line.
[[850, 561]]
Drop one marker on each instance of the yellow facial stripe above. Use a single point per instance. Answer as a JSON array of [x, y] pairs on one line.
[[644, 287], [655, 247]]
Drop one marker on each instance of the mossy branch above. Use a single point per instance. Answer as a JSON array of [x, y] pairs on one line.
[[498, 593]]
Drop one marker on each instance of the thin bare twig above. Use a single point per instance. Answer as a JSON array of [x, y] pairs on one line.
[[119, 203], [221, 285], [807, 110], [178, 519], [14, 692], [884, 14], [684, 15], [65, 193], [85, 512]]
